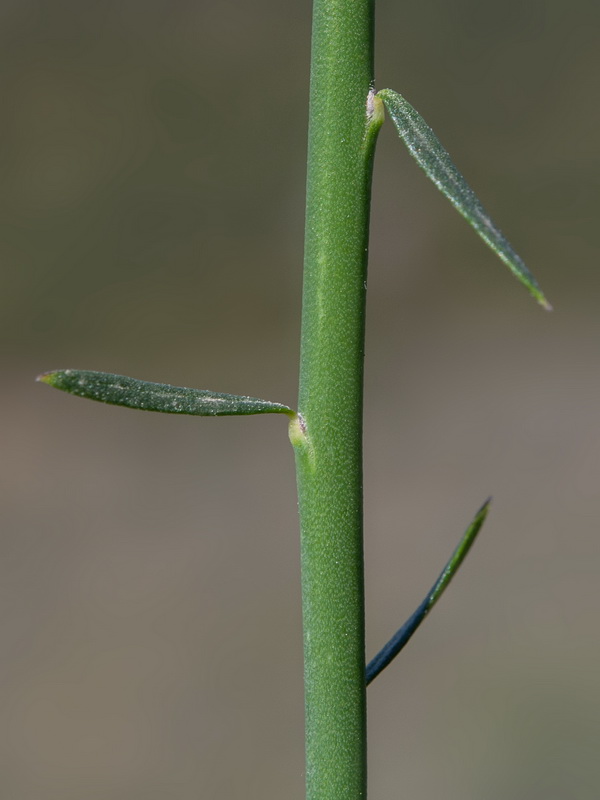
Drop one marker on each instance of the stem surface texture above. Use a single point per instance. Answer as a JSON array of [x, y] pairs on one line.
[[344, 120]]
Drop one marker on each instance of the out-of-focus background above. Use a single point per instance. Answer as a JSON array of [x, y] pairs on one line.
[[151, 224]]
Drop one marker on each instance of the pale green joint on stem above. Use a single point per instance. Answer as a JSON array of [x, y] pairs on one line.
[[300, 441]]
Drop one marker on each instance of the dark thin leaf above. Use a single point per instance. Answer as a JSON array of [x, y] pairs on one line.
[[401, 638], [132, 393], [431, 155]]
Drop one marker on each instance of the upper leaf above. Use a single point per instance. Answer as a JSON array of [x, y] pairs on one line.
[[119, 390], [431, 155]]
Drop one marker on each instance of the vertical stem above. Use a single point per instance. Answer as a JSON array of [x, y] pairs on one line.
[[344, 120]]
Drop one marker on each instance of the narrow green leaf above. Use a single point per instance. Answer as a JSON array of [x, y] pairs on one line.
[[389, 651], [431, 155], [132, 393]]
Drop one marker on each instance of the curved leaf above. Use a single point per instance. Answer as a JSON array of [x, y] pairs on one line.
[[431, 155], [389, 651], [119, 390]]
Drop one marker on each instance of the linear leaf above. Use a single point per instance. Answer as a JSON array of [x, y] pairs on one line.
[[119, 390], [431, 155], [402, 637]]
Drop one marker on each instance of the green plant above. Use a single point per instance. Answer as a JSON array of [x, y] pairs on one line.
[[326, 430]]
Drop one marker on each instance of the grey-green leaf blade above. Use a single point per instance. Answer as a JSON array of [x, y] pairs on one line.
[[430, 154], [120, 390], [402, 636]]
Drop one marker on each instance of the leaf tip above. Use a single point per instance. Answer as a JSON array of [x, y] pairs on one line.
[[484, 508], [536, 291], [62, 379], [47, 377]]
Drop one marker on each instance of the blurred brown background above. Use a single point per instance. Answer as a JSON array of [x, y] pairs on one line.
[[151, 214]]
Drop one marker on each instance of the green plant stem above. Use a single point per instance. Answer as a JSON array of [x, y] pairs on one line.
[[328, 432]]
